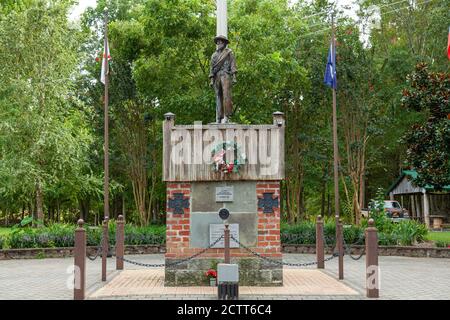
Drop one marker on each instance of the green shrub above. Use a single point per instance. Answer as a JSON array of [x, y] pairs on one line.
[[300, 233], [2, 242], [409, 232], [63, 235], [387, 239], [305, 233], [442, 244]]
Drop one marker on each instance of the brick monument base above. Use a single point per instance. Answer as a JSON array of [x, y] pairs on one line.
[[191, 210]]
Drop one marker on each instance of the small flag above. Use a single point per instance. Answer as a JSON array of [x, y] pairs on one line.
[[330, 72], [105, 66], [448, 44]]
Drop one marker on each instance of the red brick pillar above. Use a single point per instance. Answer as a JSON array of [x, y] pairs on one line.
[[178, 227], [269, 243]]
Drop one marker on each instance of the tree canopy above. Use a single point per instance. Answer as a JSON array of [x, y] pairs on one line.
[[51, 102]]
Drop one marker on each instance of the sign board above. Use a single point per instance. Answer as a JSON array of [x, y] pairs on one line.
[[216, 231], [224, 194]]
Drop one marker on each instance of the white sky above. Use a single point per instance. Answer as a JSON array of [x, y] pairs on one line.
[[82, 5]]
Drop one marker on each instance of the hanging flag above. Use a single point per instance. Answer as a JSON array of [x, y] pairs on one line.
[[105, 66], [448, 44], [330, 72]]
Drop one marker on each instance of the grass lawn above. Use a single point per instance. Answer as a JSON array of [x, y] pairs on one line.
[[4, 231], [437, 236]]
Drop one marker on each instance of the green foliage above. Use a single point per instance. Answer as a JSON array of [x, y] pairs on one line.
[[404, 233], [409, 232], [442, 244], [51, 107], [62, 235], [44, 139], [378, 214], [429, 143], [439, 236]]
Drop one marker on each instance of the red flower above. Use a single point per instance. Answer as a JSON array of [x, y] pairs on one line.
[[230, 167], [97, 59], [211, 273]]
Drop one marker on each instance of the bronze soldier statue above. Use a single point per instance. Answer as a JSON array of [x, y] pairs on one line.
[[222, 76]]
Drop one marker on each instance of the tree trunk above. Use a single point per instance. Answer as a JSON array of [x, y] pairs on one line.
[[123, 206], [57, 211], [324, 190], [329, 204], [39, 202]]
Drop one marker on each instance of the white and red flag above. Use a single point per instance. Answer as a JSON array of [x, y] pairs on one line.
[[448, 44], [105, 62]]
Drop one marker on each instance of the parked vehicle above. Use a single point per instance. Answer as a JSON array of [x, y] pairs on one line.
[[393, 210]]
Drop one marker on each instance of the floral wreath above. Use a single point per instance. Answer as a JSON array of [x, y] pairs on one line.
[[219, 161]]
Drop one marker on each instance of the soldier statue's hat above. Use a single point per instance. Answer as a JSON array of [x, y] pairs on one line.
[[221, 38]]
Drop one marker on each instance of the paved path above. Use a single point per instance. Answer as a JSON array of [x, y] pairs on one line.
[[150, 283], [401, 278]]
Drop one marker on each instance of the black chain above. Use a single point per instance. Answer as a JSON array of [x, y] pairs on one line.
[[99, 250], [160, 265], [305, 264], [348, 249]]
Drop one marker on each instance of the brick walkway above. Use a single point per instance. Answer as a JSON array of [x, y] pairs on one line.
[[150, 283], [401, 278]]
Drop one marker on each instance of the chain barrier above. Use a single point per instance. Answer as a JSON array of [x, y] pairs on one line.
[[348, 249], [99, 251], [305, 264], [325, 245], [160, 265]]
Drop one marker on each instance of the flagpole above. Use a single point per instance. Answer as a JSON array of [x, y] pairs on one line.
[[335, 144], [335, 158], [106, 151]]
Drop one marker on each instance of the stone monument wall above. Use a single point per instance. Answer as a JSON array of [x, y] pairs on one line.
[[256, 211]]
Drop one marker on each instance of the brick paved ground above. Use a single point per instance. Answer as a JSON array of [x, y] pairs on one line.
[[150, 283], [401, 278]]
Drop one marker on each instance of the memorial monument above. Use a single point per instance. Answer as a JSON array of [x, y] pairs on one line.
[[223, 165]]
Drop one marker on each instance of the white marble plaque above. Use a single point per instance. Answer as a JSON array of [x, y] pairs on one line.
[[216, 231], [224, 194]]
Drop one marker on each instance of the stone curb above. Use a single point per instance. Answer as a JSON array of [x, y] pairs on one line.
[[402, 251], [41, 253]]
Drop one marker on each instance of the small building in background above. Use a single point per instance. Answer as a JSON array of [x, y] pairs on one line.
[[424, 204]]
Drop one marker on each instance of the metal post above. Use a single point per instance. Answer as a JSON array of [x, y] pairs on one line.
[[80, 262], [340, 246], [105, 245], [372, 272], [227, 243], [335, 144], [106, 152], [120, 242], [319, 243]]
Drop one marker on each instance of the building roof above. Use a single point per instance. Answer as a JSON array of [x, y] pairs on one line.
[[411, 175]]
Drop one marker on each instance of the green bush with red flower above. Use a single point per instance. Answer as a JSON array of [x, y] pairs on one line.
[[211, 274]]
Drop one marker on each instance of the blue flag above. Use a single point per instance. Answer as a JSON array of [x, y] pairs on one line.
[[330, 73]]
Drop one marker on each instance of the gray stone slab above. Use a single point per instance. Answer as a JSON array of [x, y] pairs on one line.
[[203, 197], [227, 272], [248, 227]]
